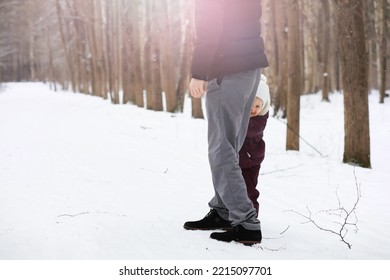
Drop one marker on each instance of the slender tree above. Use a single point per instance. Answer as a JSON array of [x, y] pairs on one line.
[[294, 75], [280, 22], [67, 51], [135, 57], [325, 28], [156, 58], [353, 59], [312, 44], [148, 56], [196, 103], [382, 18], [185, 60], [371, 37], [167, 58]]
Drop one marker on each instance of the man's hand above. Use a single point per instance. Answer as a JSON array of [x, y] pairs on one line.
[[197, 88]]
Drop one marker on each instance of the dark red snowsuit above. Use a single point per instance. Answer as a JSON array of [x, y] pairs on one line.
[[252, 155]]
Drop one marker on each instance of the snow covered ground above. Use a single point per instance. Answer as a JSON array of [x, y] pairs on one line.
[[81, 179]]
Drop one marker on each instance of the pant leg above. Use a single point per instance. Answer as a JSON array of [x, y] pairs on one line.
[[228, 109], [251, 176]]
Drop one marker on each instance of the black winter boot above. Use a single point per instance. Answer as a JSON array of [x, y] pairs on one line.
[[210, 222], [239, 234]]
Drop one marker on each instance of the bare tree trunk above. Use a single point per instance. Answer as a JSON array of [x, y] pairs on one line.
[[116, 36], [103, 65], [156, 74], [312, 45], [80, 55], [148, 75], [31, 46], [371, 37], [136, 67], [294, 75], [50, 66], [68, 56], [382, 19], [109, 50], [94, 57], [282, 57], [353, 59], [128, 93], [185, 61], [326, 46], [268, 32], [196, 106], [111, 39], [167, 65]]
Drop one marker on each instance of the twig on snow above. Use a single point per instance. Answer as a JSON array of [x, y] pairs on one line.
[[87, 212], [72, 216], [285, 230], [344, 214]]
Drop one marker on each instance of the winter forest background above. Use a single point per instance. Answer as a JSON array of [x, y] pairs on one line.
[[139, 52], [329, 62]]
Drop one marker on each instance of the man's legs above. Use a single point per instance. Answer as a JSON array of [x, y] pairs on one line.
[[228, 108]]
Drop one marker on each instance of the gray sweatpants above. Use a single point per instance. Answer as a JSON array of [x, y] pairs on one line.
[[228, 110]]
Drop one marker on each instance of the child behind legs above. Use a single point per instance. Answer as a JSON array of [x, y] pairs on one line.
[[252, 152]]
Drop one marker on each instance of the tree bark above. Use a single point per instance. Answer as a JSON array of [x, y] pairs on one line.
[[326, 46], [185, 61], [371, 37], [68, 55], [280, 18], [156, 53], [294, 75], [148, 63], [353, 59], [167, 65], [382, 19], [136, 67]]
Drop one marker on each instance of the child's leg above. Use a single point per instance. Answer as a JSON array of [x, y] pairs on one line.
[[250, 176]]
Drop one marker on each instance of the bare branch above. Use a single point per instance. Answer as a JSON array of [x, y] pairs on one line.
[[348, 217]]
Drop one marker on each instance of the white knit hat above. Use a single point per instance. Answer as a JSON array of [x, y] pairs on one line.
[[263, 94]]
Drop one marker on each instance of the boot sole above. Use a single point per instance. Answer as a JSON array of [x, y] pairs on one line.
[[249, 243], [205, 229], [244, 242]]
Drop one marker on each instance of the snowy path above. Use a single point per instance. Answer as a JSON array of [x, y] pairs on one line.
[[83, 179]]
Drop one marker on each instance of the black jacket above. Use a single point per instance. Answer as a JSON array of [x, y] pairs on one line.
[[227, 38]]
